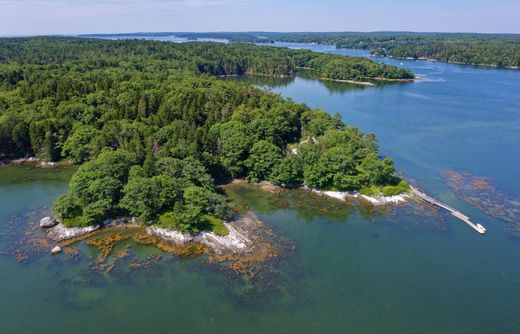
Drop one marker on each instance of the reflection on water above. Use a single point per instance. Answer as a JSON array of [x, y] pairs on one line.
[[262, 81], [310, 207], [268, 82]]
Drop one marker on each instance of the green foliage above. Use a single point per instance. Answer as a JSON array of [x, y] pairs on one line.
[[200, 209], [141, 198], [153, 130], [96, 187], [262, 159], [233, 146], [217, 226], [206, 201], [287, 172], [78, 146], [477, 49], [401, 187]]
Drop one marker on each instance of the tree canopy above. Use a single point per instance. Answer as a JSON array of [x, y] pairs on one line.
[[154, 134]]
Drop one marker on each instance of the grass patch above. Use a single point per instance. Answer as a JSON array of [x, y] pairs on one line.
[[371, 191], [390, 190], [73, 222], [217, 226], [400, 188]]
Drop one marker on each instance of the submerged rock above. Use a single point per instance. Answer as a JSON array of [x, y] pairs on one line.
[[56, 250], [47, 222]]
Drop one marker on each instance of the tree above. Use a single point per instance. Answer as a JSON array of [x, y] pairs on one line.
[[142, 198], [78, 145], [233, 144], [97, 187], [287, 172], [263, 157]]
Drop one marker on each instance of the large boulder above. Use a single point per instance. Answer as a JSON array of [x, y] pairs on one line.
[[56, 250], [47, 222]]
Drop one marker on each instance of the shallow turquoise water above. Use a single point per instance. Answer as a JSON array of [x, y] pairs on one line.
[[397, 272]]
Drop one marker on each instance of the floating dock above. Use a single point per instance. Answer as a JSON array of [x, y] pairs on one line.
[[425, 198]]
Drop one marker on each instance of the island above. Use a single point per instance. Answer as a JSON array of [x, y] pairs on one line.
[[155, 132], [493, 50]]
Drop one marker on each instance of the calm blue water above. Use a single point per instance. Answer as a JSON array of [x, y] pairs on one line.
[[456, 116], [350, 271]]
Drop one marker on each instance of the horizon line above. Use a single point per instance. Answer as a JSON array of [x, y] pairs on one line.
[[259, 32]]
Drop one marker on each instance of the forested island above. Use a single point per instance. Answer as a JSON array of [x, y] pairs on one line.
[[154, 131], [496, 50]]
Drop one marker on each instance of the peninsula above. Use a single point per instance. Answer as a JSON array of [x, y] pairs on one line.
[[154, 131]]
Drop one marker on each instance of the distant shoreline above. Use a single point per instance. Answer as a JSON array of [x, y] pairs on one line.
[[34, 162]]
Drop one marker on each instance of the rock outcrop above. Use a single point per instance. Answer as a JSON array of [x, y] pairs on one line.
[[235, 241], [47, 222], [56, 250], [238, 240], [60, 232], [177, 237]]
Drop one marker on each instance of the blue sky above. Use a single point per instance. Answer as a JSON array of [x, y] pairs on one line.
[[30, 17]]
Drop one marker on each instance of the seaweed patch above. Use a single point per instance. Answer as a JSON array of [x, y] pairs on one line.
[[483, 194]]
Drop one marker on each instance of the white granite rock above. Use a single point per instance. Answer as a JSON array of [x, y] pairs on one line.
[[47, 222], [60, 232]]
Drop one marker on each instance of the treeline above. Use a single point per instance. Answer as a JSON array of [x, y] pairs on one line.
[[210, 58], [152, 135], [498, 50]]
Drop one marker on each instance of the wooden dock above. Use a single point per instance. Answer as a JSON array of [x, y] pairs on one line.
[[430, 200]]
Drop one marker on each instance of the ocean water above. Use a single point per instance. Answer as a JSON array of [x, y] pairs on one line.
[[349, 268]]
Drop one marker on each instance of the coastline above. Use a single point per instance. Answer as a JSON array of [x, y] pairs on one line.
[[514, 68], [362, 83], [34, 162], [396, 80], [338, 195], [374, 200], [354, 82], [239, 240], [283, 76], [242, 237]]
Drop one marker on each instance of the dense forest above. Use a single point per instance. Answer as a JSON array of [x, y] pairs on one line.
[[154, 133], [205, 58], [500, 50], [473, 49]]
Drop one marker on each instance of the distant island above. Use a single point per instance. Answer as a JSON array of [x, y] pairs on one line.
[[494, 50], [154, 131]]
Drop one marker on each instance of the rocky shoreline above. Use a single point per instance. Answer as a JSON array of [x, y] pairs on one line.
[[240, 238], [374, 200], [33, 161], [339, 195]]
